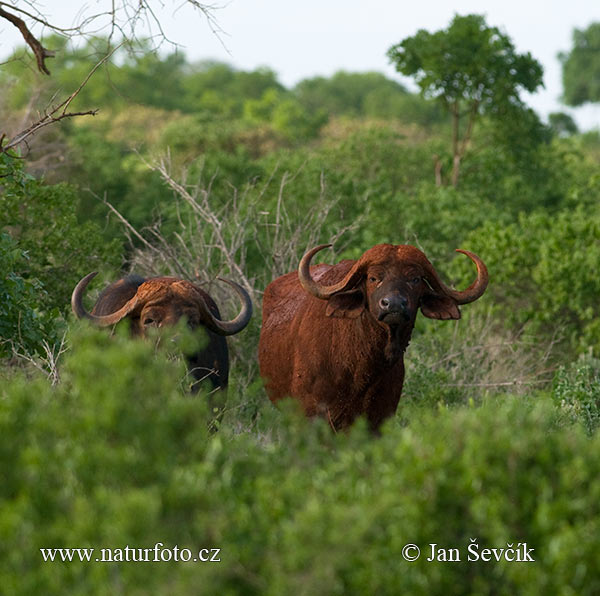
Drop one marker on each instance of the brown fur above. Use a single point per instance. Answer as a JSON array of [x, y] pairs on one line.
[[335, 356]]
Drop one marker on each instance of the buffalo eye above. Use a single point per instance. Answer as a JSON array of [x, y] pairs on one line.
[[372, 279], [148, 321], [415, 280]]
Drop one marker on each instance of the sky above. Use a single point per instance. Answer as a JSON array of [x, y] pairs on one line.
[[301, 39]]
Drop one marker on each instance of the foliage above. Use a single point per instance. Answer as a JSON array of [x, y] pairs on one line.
[[344, 93], [577, 390], [562, 124], [581, 67], [519, 178], [42, 220], [543, 269], [287, 115], [23, 328], [469, 62], [471, 69], [115, 457]]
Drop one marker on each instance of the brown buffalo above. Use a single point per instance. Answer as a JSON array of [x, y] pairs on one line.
[[162, 301], [334, 336]]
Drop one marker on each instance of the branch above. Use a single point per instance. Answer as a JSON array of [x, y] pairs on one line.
[[40, 20], [41, 53], [61, 110], [48, 364], [469, 131]]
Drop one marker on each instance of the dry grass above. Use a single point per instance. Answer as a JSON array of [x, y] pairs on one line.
[[476, 356]]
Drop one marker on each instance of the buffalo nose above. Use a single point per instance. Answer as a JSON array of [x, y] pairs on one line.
[[394, 303]]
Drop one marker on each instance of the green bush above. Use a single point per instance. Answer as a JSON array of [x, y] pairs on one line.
[[543, 272], [42, 219], [577, 390], [116, 456], [22, 326]]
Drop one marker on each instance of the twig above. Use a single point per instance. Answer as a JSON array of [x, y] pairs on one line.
[[48, 364], [51, 117]]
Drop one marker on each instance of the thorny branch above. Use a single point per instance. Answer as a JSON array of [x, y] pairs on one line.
[[121, 16]]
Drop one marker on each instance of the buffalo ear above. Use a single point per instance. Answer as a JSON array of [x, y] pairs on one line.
[[346, 305], [439, 306]]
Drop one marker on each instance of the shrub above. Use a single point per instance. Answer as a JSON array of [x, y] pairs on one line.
[[42, 220], [115, 456], [542, 272], [577, 390], [23, 328]]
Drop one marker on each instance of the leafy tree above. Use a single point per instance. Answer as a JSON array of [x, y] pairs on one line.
[[581, 67], [122, 17], [286, 114], [472, 69], [207, 87], [296, 123], [406, 107], [562, 124], [150, 79], [127, 76], [345, 93], [261, 110]]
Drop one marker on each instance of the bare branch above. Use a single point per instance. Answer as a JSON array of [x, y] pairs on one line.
[[40, 52], [47, 364], [57, 113]]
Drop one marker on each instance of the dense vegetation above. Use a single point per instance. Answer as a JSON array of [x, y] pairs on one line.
[[217, 171]]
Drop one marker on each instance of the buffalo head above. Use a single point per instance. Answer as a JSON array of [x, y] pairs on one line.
[[162, 301], [391, 283]]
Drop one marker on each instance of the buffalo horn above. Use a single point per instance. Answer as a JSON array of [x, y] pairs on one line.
[[475, 290], [102, 320], [313, 287], [241, 320]]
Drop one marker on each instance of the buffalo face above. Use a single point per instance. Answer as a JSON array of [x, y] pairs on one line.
[[393, 294], [162, 302], [169, 305], [390, 283], [159, 302]]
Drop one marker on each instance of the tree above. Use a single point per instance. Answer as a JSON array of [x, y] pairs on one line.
[[345, 92], [562, 124], [581, 67], [472, 69], [23, 327], [123, 19]]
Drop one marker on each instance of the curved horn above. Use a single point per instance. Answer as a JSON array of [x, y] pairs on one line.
[[102, 320], [475, 290], [241, 320], [313, 287]]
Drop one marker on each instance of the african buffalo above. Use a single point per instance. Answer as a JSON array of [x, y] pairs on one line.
[[162, 301], [334, 336]]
